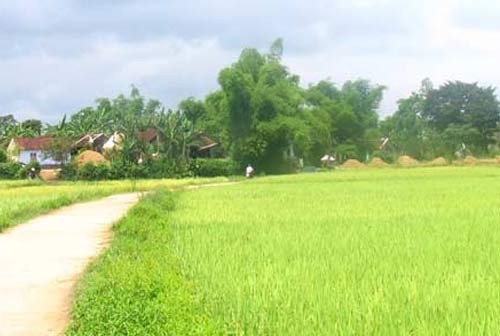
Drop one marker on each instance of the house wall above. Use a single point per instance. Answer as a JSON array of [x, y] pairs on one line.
[[25, 157]]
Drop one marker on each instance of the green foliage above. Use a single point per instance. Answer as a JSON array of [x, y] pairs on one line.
[[32, 127], [138, 286], [59, 149], [457, 118], [214, 167], [93, 172], [193, 110], [10, 170], [69, 172], [3, 156], [25, 170], [22, 200]]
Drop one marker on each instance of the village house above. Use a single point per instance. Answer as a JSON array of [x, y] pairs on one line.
[[26, 150], [203, 147], [93, 142]]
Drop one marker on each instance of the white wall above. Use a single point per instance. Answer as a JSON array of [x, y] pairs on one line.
[[25, 157]]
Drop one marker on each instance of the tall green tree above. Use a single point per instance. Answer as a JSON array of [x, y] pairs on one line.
[[467, 107], [406, 130], [193, 109]]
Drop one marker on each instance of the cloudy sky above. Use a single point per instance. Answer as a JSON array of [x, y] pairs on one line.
[[57, 56]]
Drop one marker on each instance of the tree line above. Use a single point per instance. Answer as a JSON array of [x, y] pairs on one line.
[[262, 116]]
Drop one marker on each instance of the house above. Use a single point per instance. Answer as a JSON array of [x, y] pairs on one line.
[[114, 143], [26, 150], [203, 147], [94, 142]]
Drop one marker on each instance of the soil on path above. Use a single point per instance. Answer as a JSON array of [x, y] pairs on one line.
[[41, 260]]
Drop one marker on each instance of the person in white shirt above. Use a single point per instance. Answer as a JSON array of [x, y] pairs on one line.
[[249, 171]]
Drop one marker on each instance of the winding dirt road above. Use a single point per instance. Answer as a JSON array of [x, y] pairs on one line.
[[41, 260]]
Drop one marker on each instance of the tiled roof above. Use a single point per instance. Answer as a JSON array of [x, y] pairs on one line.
[[38, 143]]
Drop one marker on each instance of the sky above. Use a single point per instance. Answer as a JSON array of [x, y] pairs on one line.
[[58, 56]]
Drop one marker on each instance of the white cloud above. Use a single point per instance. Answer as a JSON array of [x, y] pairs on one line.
[[169, 69], [57, 56]]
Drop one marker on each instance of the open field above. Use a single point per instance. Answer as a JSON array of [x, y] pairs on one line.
[[385, 252], [22, 200]]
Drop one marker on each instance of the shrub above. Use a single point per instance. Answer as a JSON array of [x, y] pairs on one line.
[[3, 156], [385, 156], [93, 172], [69, 172], [122, 169], [23, 172], [10, 170], [213, 167], [164, 168]]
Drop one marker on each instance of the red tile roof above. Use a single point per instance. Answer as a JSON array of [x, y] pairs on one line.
[[38, 143]]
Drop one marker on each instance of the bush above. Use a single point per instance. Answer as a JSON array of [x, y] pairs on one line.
[[385, 156], [3, 156], [164, 168], [10, 170], [213, 167], [69, 172], [24, 171], [93, 172], [121, 169]]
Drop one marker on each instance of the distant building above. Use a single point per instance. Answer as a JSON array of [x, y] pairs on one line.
[[94, 142], [203, 147], [26, 150]]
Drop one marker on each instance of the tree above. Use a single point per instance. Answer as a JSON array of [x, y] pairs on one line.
[[406, 129], [264, 105], [276, 50], [466, 107], [32, 127], [193, 109], [59, 149], [7, 124], [352, 112]]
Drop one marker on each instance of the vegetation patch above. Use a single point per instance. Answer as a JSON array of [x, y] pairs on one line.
[[355, 252], [138, 286], [22, 200]]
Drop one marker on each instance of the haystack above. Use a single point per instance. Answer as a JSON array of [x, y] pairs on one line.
[[378, 163], [407, 161], [440, 161], [49, 174], [470, 160], [353, 164], [488, 162], [90, 156]]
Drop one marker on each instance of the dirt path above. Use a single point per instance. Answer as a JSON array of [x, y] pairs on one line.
[[41, 260]]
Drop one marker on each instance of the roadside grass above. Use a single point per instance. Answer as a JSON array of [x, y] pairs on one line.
[[22, 200], [380, 252], [137, 287]]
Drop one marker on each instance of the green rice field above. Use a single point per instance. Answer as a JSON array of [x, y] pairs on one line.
[[21, 200], [368, 252]]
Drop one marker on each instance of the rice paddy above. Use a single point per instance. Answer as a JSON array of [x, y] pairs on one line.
[[21, 200], [365, 252]]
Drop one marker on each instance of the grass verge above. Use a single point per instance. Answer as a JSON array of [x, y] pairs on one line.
[[137, 287], [22, 200]]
